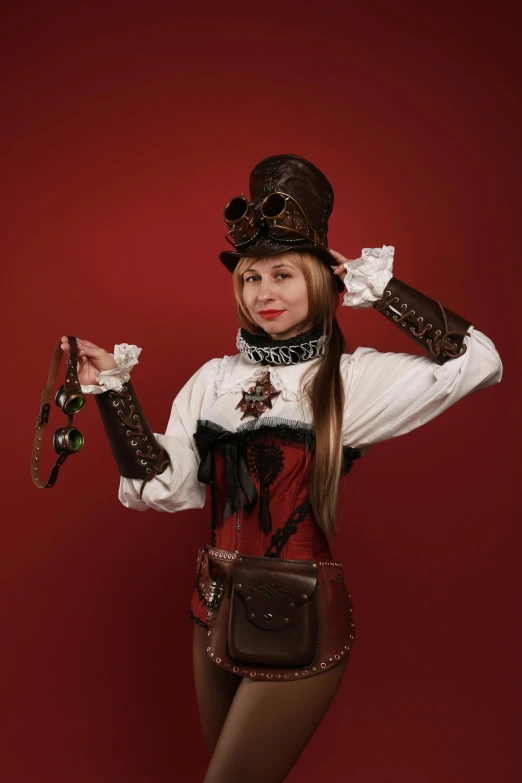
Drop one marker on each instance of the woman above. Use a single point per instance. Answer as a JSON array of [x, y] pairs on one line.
[[271, 430]]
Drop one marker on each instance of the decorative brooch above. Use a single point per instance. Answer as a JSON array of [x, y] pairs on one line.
[[258, 398]]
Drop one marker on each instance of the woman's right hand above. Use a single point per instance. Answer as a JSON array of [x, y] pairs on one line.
[[91, 359]]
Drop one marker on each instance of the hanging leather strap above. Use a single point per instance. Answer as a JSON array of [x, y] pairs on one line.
[[71, 384]]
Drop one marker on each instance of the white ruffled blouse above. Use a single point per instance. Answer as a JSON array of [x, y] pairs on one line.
[[387, 394]]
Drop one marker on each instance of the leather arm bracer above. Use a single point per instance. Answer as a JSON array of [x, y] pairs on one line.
[[440, 331], [136, 450]]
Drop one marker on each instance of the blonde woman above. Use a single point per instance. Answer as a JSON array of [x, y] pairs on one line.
[[271, 430]]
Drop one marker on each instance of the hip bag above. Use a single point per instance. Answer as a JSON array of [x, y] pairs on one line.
[[266, 615]]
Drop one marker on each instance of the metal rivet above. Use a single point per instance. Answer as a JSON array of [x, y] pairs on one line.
[[249, 597], [240, 585], [291, 605], [286, 620], [304, 596], [252, 615]]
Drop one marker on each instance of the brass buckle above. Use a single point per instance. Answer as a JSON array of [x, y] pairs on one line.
[[215, 594]]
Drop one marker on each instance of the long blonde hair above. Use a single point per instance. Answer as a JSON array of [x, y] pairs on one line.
[[324, 389]]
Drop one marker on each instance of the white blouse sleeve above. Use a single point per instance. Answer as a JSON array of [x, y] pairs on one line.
[[367, 276], [390, 394], [177, 488]]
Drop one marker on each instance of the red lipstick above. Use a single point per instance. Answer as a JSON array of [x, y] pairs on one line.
[[270, 313]]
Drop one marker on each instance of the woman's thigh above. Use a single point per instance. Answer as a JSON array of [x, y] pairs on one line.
[[215, 689], [268, 726]]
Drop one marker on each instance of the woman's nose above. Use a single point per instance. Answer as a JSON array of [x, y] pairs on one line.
[[266, 291]]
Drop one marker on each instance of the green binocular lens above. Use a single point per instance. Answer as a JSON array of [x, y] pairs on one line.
[[68, 439], [71, 403]]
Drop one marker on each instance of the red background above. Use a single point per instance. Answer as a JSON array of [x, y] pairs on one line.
[[126, 128]]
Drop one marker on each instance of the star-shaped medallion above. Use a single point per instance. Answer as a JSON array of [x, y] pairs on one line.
[[258, 398]]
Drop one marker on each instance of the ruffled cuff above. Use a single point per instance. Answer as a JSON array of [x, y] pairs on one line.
[[367, 276], [112, 380]]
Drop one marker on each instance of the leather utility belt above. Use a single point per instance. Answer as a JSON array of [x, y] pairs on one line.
[[70, 399], [275, 618]]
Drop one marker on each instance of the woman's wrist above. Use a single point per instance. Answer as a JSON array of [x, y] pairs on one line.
[[126, 357]]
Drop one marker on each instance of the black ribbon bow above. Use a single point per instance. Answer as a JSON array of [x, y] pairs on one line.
[[240, 485]]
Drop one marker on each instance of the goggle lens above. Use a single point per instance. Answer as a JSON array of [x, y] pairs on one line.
[[236, 209], [68, 439]]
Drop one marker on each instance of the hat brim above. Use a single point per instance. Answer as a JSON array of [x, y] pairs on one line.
[[230, 258]]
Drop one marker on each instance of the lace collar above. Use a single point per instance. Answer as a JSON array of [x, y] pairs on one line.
[[301, 348]]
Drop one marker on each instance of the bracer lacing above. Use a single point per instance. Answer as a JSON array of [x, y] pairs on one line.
[[156, 462], [441, 343]]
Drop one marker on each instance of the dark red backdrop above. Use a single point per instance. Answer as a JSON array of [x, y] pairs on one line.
[[125, 130]]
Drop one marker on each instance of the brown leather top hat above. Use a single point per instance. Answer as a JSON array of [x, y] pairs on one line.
[[289, 206]]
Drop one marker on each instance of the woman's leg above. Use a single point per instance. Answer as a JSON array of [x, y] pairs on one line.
[[215, 689], [268, 727]]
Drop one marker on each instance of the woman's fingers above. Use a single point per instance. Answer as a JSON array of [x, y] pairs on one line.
[[340, 258]]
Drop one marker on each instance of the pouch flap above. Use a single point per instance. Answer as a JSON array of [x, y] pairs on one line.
[[271, 592]]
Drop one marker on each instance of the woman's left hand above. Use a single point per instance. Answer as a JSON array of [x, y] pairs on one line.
[[340, 269]]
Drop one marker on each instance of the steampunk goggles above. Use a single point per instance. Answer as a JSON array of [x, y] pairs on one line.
[[70, 399], [281, 215]]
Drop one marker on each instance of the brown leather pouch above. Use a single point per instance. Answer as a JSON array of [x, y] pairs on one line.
[[320, 628], [275, 612]]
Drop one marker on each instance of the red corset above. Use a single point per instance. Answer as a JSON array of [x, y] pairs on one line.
[[259, 488]]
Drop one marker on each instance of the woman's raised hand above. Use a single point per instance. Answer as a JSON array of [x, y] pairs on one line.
[[91, 359], [340, 269]]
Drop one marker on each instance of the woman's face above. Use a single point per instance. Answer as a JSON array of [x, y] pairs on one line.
[[276, 295]]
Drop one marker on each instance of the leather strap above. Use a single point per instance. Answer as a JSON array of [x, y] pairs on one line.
[[71, 384]]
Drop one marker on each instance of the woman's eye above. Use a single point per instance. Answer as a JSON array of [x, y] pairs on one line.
[[251, 278]]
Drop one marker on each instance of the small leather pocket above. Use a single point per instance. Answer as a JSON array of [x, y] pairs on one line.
[[274, 613]]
